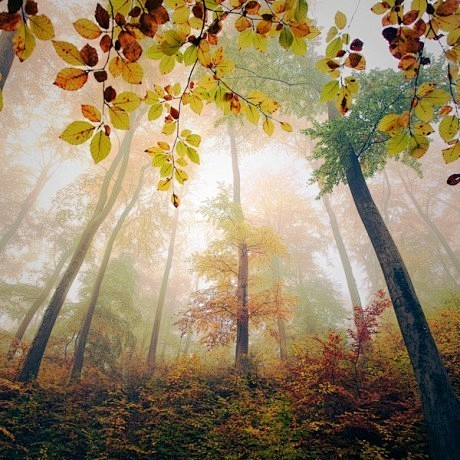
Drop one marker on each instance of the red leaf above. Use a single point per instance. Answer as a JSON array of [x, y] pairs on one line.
[[454, 179], [102, 17], [109, 94], [356, 45], [89, 55]]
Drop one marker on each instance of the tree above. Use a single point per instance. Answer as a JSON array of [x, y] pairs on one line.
[[348, 146]]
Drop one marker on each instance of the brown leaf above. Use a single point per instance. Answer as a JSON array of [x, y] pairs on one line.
[[125, 38], [71, 79], [105, 43], [198, 10], [215, 27], [252, 7], [107, 130], [102, 16], [14, 6], [160, 15], [132, 51], [151, 5], [31, 8], [109, 94], [407, 61], [174, 113], [454, 179], [135, 12], [419, 27], [356, 61], [447, 8], [410, 17], [356, 45], [389, 33], [147, 25], [89, 55], [100, 76], [10, 22], [120, 19]]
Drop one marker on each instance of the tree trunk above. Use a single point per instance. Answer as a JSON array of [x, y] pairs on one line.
[[242, 314], [37, 304], [434, 229], [6, 56], [104, 205], [77, 366], [440, 404], [25, 207], [152, 354], [351, 281], [281, 326]]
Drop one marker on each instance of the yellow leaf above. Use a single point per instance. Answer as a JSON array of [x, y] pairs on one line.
[[331, 34], [352, 84], [77, 132], [260, 43], [286, 127], [193, 155], [68, 52], [132, 72], [71, 79], [268, 126], [190, 55], [340, 20], [420, 148], [422, 129], [166, 169], [87, 29], [193, 139], [169, 128], [437, 97], [119, 118], [256, 97], [181, 14], [23, 42], [269, 106], [252, 114], [299, 46], [448, 127], [100, 146], [245, 38], [167, 64], [424, 110], [329, 91], [380, 8], [196, 104], [452, 153], [91, 113], [42, 27], [334, 47], [425, 88], [164, 184], [180, 175], [181, 149], [389, 124], [116, 67], [398, 143], [127, 101], [164, 145], [155, 111]]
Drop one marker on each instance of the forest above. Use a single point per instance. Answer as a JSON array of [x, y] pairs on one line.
[[227, 229]]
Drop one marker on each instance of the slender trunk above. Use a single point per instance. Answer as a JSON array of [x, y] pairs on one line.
[[104, 205], [440, 404], [432, 226], [25, 208], [6, 56], [152, 354], [242, 314], [79, 354], [351, 281], [37, 304], [281, 326]]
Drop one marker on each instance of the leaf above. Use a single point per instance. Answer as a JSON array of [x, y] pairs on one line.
[[23, 42], [252, 114], [10, 21], [89, 55], [175, 200], [260, 43], [193, 139], [71, 79], [180, 175], [448, 127], [42, 27], [389, 124], [380, 8], [181, 149], [334, 47], [437, 97], [87, 29], [452, 153], [155, 111], [424, 110], [424, 89], [423, 129], [286, 126], [329, 91], [100, 146], [356, 61], [132, 72], [77, 132], [127, 101], [169, 128], [299, 46], [331, 34], [68, 52], [268, 126], [159, 159], [91, 113], [286, 38], [421, 147], [340, 20], [245, 39], [166, 169], [193, 155], [190, 55], [116, 67], [164, 184], [398, 143], [167, 64], [119, 118]]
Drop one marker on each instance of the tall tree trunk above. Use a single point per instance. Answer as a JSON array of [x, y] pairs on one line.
[[433, 228], [351, 281], [38, 303], [152, 354], [281, 326], [6, 56], [79, 355], [242, 315], [25, 207], [104, 205], [440, 404]]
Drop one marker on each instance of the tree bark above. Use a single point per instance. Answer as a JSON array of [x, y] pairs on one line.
[[242, 314], [351, 281], [440, 404], [104, 205], [433, 228], [152, 354], [37, 304], [79, 355], [281, 326], [6, 56], [25, 208]]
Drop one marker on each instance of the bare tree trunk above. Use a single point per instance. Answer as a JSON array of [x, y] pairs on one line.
[[242, 316], [351, 281], [79, 355], [104, 205], [281, 326], [37, 304], [25, 207], [433, 228], [440, 404], [152, 354], [6, 56]]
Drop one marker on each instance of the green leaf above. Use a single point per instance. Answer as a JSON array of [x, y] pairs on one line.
[[166, 169], [245, 38], [119, 118], [301, 10], [286, 38], [127, 101], [180, 175], [193, 139], [190, 55], [169, 128], [100, 146], [334, 47], [452, 153], [398, 143], [155, 53], [77, 132], [159, 159], [437, 97], [340, 20], [424, 110], [193, 155], [155, 111], [181, 149], [252, 114], [167, 64], [448, 127], [299, 46], [329, 91], [164, 184]]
